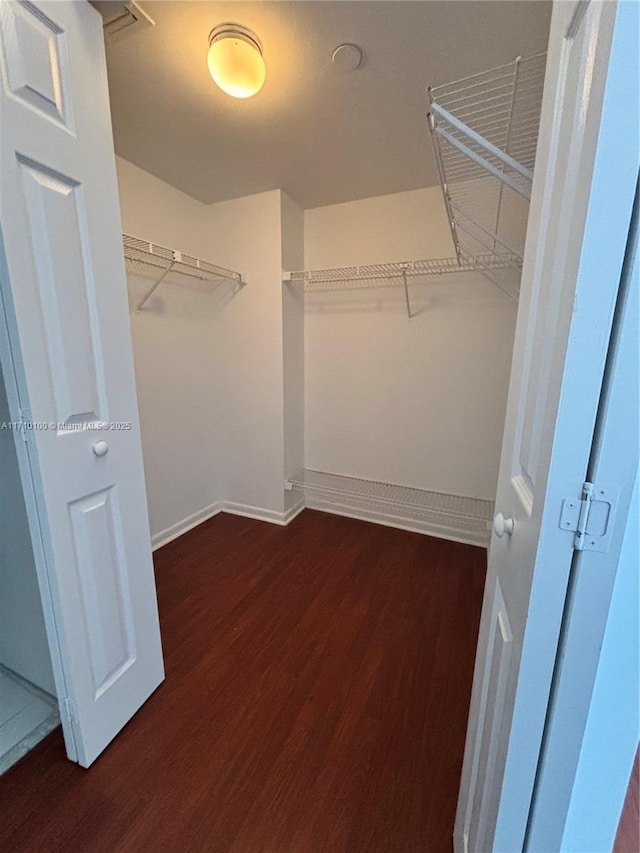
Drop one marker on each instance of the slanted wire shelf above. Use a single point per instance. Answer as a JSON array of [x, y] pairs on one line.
[[397, 274], [144, 258], [484, 131], [408, 502]]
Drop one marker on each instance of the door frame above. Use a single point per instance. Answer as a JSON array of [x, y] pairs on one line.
[[18, 403], [548, 592], [589, 742]]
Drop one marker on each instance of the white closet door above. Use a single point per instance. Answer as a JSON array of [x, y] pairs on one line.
[[580, 211], [64, 292]]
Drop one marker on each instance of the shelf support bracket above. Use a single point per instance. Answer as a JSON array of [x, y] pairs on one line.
[[406, 292], [154, 286], [487, 146]]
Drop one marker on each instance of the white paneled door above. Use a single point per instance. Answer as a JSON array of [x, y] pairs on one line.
[[65, 305], [579, 220]]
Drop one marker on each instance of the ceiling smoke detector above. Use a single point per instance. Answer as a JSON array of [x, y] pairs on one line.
[[347, 57]]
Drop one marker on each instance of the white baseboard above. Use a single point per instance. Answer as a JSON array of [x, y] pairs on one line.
[[441, 531], [294, 511], [233, 508], [169, 533], [249, 511], [261, 514], [340, 496]]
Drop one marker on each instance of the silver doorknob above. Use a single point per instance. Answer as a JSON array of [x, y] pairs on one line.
[[502, 526], [101, 448]]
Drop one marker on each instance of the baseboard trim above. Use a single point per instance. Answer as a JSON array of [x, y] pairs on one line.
[[233, 508], [259, 513], [434, 520], [439, 531], [446, 516], [294, 511], [170, 533]]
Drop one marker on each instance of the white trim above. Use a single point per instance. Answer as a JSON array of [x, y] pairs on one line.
[[461, 532], [443, 525], [260, 514], [163, 537], [294, 511], [170, 533]]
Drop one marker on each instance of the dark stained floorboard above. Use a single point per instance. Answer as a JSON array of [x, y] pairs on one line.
[[317, 689], [628, 838]]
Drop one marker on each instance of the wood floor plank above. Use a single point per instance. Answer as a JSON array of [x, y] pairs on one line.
[[628, 837], [318, 681]]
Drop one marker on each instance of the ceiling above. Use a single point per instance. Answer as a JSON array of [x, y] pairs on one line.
[[322, 135]]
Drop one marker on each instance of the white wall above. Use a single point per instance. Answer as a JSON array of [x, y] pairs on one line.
[[293, 345], [177, 356], [249, 331], [23, 641], [417, 402], [209, 361], [222, 375]]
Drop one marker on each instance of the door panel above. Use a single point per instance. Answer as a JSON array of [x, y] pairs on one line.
[[66, 295], [575, 75], [496, 673], [106, 597], [569, 288], [66, 309], [36, 65]]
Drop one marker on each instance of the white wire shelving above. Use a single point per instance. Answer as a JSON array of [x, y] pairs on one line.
[[411, 505], [484, 131], [397, 274], [150, 259]]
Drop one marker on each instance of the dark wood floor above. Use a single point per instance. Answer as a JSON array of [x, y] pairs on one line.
[[628, 838], [318, 679]]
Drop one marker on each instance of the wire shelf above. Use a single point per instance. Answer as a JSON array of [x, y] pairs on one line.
[[398, 274], [484, 130], [144, 258], [334, 491], [391, 273]]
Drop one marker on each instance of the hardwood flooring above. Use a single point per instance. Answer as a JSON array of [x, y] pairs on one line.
[[628, 838], [318, 680]]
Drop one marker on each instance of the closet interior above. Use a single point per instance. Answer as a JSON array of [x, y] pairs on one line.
[[322, 286], [484, 132], [264, 260], [363, 369]]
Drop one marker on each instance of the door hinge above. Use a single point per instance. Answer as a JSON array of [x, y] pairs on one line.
[[590, 517]]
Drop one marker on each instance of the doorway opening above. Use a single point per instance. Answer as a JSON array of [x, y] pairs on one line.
[[28, 704]]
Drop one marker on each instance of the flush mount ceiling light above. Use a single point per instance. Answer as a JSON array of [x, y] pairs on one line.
[[235, 60]]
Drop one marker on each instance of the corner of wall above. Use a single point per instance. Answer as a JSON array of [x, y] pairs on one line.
[[292, 248]]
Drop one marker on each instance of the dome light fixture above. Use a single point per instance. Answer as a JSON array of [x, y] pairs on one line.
[[235, 60]]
